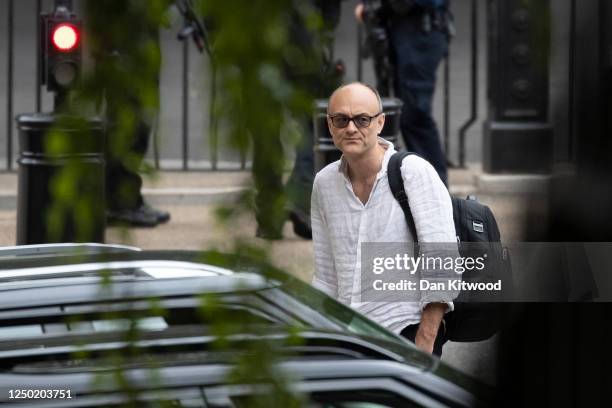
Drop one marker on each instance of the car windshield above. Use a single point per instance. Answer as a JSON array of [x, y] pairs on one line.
[[336, 311]]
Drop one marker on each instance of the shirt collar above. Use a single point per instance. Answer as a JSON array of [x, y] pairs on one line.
[[389, 151]]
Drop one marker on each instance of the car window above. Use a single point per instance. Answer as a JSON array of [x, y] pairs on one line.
[[109, 325], [242, 310], [24, 330], [146, 324], [335, 311], [360, 399]]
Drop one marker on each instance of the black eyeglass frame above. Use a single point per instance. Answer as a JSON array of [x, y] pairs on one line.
[[352, 119]]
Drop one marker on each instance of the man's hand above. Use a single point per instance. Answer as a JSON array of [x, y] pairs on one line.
[[428, 328], [359, 12]]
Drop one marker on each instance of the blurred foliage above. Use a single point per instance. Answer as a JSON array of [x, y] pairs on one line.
[[123, 88], [266, 69], [255, 362], [76, 210], [266, 72]]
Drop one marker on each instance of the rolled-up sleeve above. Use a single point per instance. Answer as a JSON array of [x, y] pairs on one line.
[[432, 210], [324, 278]]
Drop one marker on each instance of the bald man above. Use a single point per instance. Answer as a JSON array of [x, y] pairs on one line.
[[352, 203]]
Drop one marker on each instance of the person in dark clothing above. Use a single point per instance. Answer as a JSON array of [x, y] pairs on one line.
[[125, 203], [417, 54], [321, 81], [127, 68], [418, 32]]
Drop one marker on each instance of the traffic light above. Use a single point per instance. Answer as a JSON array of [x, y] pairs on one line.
[[60, 50]]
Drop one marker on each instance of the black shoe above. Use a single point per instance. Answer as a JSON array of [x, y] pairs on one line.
[[161, 216], [301, 226], [135, 217]]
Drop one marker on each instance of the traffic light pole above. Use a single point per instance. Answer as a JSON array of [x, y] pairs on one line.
[[58, 99], [63, 3], [83, 145], [60, 50], [61, 7]]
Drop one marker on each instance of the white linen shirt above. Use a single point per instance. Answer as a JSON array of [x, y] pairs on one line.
[[341, 223]]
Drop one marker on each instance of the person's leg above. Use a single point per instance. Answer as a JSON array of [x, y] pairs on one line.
[[127, 146], [270, 195], [124, 155], [122, 158], [138, 150], [417, 56], [268, 168], [299, 185]]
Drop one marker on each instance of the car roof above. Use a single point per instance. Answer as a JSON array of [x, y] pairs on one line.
[[122, 290], [59, 249], [153, 268], [51, 276], [43, 265], [35, 260]]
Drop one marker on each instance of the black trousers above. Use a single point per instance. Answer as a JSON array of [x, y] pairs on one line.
[[123, 182], [410, 332], [417, 55]]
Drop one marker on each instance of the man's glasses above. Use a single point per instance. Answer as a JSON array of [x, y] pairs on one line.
[[360, 121]]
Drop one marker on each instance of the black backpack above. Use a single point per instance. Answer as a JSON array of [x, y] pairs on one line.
[[474, 223]]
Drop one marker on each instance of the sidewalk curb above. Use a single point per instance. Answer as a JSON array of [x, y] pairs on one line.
[[162, 196], [193, 196], [513, 184]]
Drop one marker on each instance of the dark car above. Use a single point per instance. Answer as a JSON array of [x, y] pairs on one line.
[[94, 325]]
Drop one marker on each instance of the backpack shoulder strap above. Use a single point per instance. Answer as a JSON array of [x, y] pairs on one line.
[[396, 183]]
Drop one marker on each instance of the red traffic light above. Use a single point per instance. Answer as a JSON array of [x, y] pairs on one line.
[[65, 37]]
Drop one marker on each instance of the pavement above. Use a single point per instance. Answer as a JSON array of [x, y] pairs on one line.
[[519, 203]]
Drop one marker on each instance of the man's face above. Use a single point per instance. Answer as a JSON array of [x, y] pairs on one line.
[[357, 102]]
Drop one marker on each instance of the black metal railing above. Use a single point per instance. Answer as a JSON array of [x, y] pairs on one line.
[[213, 142], [9, 10], [473, 81]]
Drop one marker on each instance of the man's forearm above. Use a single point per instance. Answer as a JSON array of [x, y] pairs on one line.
[[432, 316], [430, 323]]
